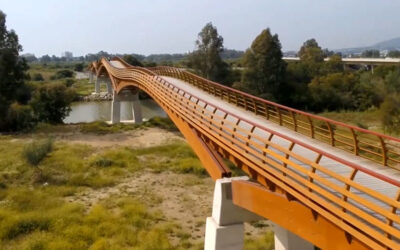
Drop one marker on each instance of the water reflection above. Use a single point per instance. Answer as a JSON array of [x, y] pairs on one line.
[[101, 111]]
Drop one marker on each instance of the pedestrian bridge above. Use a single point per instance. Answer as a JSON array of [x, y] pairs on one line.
[[321, 182]]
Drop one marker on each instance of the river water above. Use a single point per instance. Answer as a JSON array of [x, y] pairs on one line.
[[101, 111]]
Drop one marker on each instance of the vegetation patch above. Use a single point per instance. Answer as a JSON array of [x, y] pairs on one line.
[[101, 127], [36, 151]]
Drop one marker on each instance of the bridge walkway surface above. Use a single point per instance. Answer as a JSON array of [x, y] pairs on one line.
[[361, 194]]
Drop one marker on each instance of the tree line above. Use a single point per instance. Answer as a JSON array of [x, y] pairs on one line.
[[310, 84]]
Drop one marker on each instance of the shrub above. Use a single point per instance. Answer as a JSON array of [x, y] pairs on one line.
[[78, 67], [65, 73], [19, 117], [25, 224], [37, 77], [164, 123], [51, 102], [103, 162], [69, 82], [390, 113], [36, 151]]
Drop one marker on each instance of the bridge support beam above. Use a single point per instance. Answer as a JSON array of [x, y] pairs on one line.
[[225, 228], [129, 97]]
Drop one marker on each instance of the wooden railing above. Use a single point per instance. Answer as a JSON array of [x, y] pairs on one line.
[[362, 142], [364, 213]]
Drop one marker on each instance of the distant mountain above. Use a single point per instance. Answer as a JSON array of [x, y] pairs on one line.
[[392, 44]]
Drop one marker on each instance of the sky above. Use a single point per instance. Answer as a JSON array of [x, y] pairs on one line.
[[171, 26]]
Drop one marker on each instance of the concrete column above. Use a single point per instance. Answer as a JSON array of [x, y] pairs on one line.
[[225, 229], [97, 85], [116, 109], [137, 109], [109, 87], [285, 240], [90, 77]]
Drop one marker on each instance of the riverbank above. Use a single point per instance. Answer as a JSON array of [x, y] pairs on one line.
[[121, 186], [96, 97]]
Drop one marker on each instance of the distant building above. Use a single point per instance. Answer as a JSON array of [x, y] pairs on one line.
[[68, 55]]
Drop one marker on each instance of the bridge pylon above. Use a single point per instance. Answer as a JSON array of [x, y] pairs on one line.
[[103, 79], [129, 96], [91, 77], [225, 228]]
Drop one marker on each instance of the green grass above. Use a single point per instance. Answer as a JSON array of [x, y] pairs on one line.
[[177, 157], [36, 216], [45, 71], [101, 127], [369, 119], [118, 222], [83, 88], [265, 242]]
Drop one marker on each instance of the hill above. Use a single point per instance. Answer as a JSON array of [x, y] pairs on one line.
[[391, 44]]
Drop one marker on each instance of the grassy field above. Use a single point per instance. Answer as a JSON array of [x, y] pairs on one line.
[[369, 119], [81, 86], [81, 196]]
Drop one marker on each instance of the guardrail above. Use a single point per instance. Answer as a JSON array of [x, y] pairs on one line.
[[374, 146], [365, 213]]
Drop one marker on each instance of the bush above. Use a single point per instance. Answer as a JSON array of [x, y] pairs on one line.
[[26, 224], [69, 82], [78, 67], [51, 102], [164, 123], [37, 77], [103, 162], [390, 113], [19, 117], [65, 73], [36, 151]]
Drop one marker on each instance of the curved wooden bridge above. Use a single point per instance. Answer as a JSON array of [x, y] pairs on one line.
[[334, 185]]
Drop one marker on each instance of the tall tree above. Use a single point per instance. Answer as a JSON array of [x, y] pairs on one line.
[[12, 72], [264, 73], [312, 56], [206, 59]]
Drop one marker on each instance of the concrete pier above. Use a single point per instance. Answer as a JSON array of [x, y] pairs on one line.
[[129, 97], [225, 228]]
